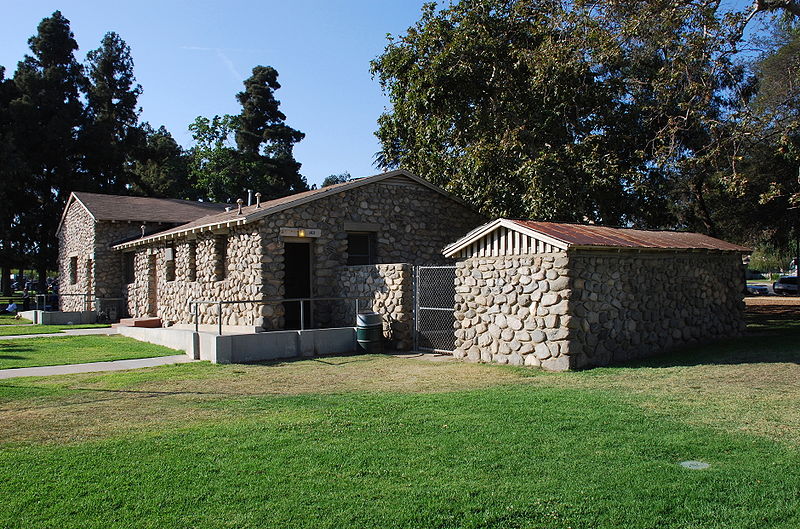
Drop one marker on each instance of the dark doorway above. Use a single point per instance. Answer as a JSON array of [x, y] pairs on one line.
[[296, 282]]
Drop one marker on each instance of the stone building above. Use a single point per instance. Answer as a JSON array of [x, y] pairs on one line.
[[565, 296], [88, 267], [339, 241]]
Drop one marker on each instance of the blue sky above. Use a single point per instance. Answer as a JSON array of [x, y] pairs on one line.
[[191, 59]]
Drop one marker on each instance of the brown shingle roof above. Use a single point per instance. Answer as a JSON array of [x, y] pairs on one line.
[[251, 213], [145, 209], [603, 236]]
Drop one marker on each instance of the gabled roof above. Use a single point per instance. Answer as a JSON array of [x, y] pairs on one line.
[[270, 207], [140, 209], [588, 236]]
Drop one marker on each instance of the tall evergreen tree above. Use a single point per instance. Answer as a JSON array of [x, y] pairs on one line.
[[253, 150], [47, 115], [111, 134], [160, 167], [12, 185]]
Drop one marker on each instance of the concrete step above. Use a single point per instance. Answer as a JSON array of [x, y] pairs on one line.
[[151, 323]]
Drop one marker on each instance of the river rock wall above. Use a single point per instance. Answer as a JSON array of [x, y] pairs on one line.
[[573, 310]]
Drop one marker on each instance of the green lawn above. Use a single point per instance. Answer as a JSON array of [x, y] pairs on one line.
[[29, 352], [9, 319], [378, 441], [18, 330]]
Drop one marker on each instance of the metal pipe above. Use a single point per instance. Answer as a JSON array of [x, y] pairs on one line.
[[302, 316], [219, 317]]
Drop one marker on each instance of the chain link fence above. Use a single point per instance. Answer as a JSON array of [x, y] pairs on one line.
[[434, 298]]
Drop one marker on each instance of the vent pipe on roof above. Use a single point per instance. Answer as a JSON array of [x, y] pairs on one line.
[[240, 202], [227, 209], [258, 200], [142, 228]]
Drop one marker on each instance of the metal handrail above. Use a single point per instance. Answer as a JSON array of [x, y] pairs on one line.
[[302, 301], [86, 296]]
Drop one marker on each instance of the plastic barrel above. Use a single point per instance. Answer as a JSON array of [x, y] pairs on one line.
[[369, 332]]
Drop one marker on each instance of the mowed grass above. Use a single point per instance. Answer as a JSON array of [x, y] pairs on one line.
[[379, 441], [20, 330], [10, 319], [30, 352]]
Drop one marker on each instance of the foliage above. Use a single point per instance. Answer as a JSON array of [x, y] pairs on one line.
[[111, 134], [47, 114], [252, 150], [336, 179], [574, 110]]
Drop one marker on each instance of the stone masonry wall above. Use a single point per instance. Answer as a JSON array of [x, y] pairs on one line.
[[513, 310], [153, 294], [75, 239], [573, 310], [390, 289], [411, 224], [629, 306], [414, 224]]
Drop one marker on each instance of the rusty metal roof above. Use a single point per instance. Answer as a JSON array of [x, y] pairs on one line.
[[592, 236]]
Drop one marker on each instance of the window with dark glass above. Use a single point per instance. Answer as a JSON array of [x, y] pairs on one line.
[[191, 272], [169, 263], [221, 254], [73, 270], [130, 270], [361, 248]]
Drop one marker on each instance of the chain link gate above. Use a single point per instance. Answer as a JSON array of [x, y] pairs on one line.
[[434, 300]]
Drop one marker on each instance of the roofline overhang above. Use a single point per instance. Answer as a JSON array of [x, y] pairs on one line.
[[323, 193], [481, 231], [72, 198]]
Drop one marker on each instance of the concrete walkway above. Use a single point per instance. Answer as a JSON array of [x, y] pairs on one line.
[[71, 332], [117, 365]]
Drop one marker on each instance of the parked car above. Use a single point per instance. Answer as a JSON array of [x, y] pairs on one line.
[[757, 290], [786, 285]]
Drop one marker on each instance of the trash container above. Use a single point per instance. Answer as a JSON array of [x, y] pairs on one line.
[[369, 332]]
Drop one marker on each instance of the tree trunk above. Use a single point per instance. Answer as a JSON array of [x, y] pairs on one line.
[[5, 281], [41, 284]]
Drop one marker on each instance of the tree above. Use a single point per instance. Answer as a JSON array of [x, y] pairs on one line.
[[111, 134], [47, 114], [570, 110], [336, 179], [12, 184], [160, 166], [253, 150]]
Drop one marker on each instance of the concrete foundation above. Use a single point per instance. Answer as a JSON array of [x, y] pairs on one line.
[[42, 317], [241, 348]]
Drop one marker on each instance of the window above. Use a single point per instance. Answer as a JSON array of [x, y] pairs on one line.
[[73, 270], [361, 248], [130, 269], [169, 263], [221, 257], [191, 272]]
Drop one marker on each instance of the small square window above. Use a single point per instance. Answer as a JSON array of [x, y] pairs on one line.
[[361, 248]]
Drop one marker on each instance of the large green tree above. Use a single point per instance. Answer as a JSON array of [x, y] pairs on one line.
[[252, 150], [111, 134], [47, 115], [611, 112]]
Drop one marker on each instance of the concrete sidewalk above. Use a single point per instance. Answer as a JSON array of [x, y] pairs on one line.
[[70, 332], [117, 365]]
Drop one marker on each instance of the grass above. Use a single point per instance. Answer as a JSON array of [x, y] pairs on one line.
[[30, 352], [378, 441], [20, 330], [10, 319]]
